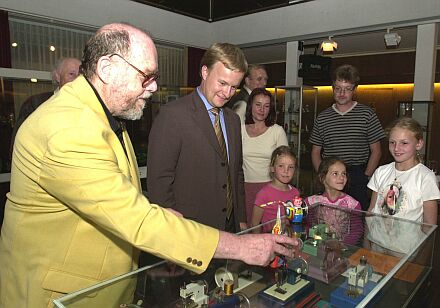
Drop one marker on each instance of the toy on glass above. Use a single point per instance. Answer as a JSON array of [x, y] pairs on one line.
[[290, 283], [295, 213], [358, 277], [277, 229], [194, 294]]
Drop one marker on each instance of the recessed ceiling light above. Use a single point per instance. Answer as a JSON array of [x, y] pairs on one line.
[[14, 44], [34, 80], [52, 48]]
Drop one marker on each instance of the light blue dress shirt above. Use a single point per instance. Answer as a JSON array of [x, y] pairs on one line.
[[208, 107]]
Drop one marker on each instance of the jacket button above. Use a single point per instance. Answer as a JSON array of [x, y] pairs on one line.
[[199, 263], [224, 210], [194, 261], [224, 186], [189, 260]]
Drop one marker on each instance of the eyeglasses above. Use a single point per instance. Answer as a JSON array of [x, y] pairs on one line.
[[148, 78], [338, 89]]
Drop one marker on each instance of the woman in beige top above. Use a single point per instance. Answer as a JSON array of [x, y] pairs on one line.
[[260, 136]]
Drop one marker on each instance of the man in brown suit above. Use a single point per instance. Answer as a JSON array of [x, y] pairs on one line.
[[186, 171]]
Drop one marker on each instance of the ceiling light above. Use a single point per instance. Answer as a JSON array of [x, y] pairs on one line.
[[14, 44], [34, 80], [52, 48], [329, 45], [392, 39]]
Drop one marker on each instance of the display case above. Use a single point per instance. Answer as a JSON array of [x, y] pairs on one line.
[[296, 111], [421, 111], [329, 269]]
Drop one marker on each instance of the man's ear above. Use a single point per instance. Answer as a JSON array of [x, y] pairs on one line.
[[204, 72], [246, 80], [104, 69], [56, 77]]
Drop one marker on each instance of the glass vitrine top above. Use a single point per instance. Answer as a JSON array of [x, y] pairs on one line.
[[348, 258]]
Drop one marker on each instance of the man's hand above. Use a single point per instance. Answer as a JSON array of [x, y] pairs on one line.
[[255, 249]]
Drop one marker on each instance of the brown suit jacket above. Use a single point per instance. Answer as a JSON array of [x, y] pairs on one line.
[[185, 168]]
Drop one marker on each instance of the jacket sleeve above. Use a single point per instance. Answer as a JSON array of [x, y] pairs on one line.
[[82, 171]]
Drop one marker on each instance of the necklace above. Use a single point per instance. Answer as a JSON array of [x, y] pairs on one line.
[[397, 176]]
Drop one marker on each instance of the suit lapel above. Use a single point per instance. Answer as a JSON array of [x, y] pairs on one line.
[[132, 160], [127, 163], [201, 117]]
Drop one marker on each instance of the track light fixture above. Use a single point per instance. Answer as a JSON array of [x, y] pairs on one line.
[[329, 45], [392, 39]]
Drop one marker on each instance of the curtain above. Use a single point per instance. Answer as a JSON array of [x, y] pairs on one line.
[[35, 37]]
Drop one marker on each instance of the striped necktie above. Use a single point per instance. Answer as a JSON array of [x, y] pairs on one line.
[[221, 140]]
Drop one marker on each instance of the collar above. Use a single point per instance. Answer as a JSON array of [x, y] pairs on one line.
[[208, 106], [247, 89], [345, 112], [115, 125]]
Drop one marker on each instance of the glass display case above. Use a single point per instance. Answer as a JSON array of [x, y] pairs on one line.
[[296, 111], [338, 265]]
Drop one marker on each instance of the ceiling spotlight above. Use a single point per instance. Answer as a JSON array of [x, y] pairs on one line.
[[329, 45], [34, 80], [14, 44], [52, 48], [392, 39]]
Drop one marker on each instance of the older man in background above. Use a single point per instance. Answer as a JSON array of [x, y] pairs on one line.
[[66, 70], [255, 77]]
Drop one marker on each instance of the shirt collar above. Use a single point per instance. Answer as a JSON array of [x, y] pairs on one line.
[[208, 106], [345, 112], [114, 124]]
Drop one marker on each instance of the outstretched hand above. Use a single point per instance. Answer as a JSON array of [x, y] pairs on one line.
[[255, 249]]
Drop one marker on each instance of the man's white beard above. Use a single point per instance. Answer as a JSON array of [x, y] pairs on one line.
[[135, 113]]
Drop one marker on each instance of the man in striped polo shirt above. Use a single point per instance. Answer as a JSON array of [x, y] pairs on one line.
[[350, 131]]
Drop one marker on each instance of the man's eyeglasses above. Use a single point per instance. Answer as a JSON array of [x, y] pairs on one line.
[[148, 78], [338, 89]]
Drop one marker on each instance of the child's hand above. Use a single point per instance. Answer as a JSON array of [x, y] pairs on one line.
[[243, 226]]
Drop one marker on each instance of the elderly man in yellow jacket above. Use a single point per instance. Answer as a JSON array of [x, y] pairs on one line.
[[75, 214]]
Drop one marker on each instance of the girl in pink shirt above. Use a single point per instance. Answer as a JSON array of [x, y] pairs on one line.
[[278, 191], [347, 225]]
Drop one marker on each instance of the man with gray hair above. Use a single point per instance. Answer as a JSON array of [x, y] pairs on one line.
[[76, 214], [255, 77], [66, 70]]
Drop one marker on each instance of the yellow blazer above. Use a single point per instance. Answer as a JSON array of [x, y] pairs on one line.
[[75, 214]]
